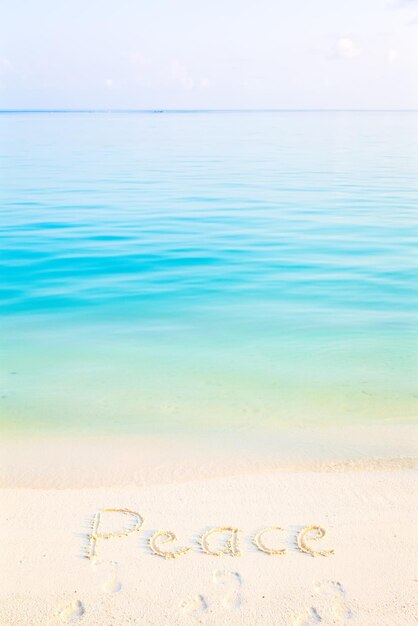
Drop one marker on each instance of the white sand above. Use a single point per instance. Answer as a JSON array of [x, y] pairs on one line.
[[369, 513], [96, 462]]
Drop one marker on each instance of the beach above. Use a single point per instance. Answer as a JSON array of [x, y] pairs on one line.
[[208, 380], [366, 507]]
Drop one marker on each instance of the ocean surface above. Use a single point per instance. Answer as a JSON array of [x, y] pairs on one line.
[[199, 272]]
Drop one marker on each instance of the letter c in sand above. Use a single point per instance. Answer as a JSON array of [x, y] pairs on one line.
[[259, 542]]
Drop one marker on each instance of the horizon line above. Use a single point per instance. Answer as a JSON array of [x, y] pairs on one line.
[[215, 110]]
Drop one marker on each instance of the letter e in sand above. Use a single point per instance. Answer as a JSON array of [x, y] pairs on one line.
[[312, 533]]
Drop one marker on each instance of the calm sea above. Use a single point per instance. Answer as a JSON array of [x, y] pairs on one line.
[[193, 272]]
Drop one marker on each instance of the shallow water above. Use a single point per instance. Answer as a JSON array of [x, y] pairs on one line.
[[196, 272]]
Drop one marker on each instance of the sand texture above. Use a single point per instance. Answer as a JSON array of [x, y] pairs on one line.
[[370, 579]]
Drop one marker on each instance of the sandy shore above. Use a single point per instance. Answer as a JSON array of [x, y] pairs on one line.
[[82, 462], [367, 508]]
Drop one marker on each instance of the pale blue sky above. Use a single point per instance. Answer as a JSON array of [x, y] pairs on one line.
[[211, 54]]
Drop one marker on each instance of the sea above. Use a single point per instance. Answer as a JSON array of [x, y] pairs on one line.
[[201, 272]]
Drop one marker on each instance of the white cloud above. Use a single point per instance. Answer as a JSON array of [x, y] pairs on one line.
[[347, 48], [401, 4], [392, 56], [180, 74], [139, 59], [109, 83], [5, 65]]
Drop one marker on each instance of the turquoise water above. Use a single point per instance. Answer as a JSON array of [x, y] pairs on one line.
[[196, 272]]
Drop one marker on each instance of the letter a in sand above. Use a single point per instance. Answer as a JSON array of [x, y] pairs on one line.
[[231, 544]]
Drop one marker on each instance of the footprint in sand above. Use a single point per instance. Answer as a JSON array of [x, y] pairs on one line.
[[230, 583], [112, 585], [329, 608], [72, 613], [194, 606], [108, 574], [310, 618]]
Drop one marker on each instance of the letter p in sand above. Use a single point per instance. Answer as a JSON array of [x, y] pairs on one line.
[[134, 525]]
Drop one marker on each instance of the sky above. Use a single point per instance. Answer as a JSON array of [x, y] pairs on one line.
[[211, 54]]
